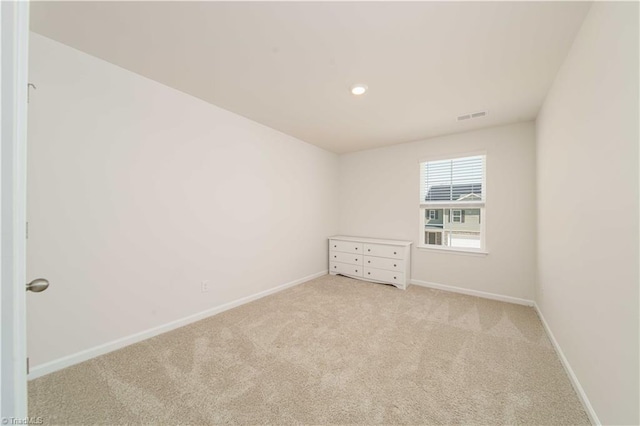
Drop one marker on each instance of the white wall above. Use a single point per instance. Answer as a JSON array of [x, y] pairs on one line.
[[138, 192], [588, 210], [379, 197]]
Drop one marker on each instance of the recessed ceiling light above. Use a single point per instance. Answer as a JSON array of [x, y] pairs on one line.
[[359, 89]]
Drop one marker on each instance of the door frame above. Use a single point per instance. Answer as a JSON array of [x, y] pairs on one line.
[[14, 52]]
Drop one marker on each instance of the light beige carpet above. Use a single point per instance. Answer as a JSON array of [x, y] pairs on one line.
[[332, 350]]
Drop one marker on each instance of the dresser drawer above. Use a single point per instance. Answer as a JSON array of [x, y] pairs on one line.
[[381, 275], [352, 259], [380, 250], [345, 246], [344, 268], [384, 263]]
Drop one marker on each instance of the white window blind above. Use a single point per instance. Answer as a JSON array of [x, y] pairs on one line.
[[454, 181]]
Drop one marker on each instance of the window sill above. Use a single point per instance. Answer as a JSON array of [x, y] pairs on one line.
[[464, 252]]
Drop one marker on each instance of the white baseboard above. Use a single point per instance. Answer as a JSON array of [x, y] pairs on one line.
[[67, 361], [572, 377], [478, 293]]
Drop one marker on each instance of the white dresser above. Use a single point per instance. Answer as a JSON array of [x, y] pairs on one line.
[[379, 261]]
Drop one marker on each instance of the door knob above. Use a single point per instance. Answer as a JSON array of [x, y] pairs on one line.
[[38, 285]]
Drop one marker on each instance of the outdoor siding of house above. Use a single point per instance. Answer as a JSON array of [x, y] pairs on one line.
[[438, 221], [470, 220]]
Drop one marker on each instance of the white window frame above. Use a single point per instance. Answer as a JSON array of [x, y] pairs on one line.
[[461, 205], [453, 215], [433, 214]]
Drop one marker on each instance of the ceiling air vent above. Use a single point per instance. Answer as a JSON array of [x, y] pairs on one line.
[[471, 115]]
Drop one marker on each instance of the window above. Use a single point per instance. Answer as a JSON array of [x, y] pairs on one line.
[[434, 238], [452, 203]]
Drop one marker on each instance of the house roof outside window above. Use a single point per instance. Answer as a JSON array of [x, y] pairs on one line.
[[461, 192]]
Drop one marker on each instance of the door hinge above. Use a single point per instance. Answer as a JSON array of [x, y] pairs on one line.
[[27, 230], [29, 86], [27, 365]]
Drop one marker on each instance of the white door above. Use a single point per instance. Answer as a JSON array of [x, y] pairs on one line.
[[14, 18]]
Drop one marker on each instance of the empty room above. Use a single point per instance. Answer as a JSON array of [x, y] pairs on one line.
[[320, 213]]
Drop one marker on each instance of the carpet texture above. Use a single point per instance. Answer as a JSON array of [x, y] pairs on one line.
[[330, 351]]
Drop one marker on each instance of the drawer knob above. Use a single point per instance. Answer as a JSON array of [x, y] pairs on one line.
[[335, 267], [394, 278], [356, 270], [369, 273], [335, 246], [369, 261], [356, 260], [368, 249], [356, 248], [394, 252], [335, 257], [394, 265]]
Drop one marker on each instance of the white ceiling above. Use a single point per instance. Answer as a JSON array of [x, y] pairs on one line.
[[290, 65]]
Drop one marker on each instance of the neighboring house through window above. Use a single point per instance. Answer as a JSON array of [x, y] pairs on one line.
[[452, 203]]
